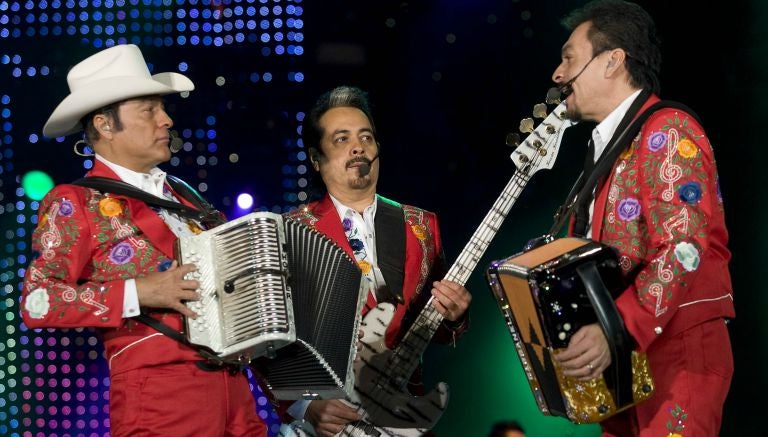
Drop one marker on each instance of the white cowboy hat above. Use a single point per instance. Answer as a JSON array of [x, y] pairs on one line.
[[109, 76]]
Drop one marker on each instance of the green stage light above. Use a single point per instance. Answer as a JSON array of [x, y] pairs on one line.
[[36, 184]]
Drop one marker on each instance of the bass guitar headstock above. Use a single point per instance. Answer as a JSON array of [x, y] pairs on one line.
[[539, 149]]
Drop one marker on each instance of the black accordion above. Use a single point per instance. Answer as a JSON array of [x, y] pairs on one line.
[[545, 295], [278, 291]]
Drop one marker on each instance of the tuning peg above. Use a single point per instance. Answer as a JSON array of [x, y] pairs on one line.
[[526, 125], [553, 96], [513, 139], [540, 110]]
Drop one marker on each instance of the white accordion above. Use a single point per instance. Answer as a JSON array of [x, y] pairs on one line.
[[266, 283]]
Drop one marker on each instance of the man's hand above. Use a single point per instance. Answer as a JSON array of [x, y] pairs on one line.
[[169, 289], [330, 417], [587, 354], [450, 299]]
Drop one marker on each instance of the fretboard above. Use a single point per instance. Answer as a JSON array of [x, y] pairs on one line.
[[538, 151], [408, 353]]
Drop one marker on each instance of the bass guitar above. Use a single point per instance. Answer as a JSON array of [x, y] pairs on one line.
[[381, 374]]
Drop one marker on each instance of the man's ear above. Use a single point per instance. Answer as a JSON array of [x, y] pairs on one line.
[[617, 56], [314, 157], [102, 125]]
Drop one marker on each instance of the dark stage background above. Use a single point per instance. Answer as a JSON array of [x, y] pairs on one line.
[[448, 79]]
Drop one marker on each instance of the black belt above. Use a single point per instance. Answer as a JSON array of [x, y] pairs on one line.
[[210, 366], [211, 363]]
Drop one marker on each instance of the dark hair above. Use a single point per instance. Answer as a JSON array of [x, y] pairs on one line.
[[111, 111], [620, 24], [339, 97], [312, 132], [499, 429]]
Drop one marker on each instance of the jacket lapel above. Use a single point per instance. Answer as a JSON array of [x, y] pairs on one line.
[[390, 248], [329, 224]]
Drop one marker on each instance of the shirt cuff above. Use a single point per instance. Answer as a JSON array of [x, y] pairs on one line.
[[458, 323], [298, 409], [130, 299]]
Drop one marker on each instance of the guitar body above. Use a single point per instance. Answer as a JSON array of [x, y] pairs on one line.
[[385, 401], [381, 401]]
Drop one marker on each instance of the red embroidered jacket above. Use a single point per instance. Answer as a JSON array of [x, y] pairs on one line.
[[423, 256], [86, 245], [661, 208]]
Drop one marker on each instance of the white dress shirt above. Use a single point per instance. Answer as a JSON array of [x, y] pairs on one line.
[[365, 223], [601, 134]]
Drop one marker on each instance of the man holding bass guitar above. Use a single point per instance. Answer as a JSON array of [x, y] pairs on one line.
[[658, 204], [397, 247]]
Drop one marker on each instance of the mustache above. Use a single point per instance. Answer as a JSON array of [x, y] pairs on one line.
[[566, 89], [361, 160]]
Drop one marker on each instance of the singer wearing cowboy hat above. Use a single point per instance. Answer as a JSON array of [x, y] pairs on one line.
[[101, 259]]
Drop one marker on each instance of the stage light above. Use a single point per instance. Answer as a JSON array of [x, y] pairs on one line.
[[36, 184], [245, 201]]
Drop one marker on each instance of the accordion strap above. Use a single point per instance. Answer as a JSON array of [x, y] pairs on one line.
[[587, 183], [205, 213], [211, 360], [620, 370]]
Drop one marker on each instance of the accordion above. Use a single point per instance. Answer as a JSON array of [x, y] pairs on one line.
[[545, 296], [277, 289]]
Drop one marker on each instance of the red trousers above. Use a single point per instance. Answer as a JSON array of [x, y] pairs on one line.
[[692, 372], [182, 400]]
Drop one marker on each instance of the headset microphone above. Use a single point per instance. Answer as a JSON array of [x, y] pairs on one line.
[[365, 167], [176, 142], [566, 89]]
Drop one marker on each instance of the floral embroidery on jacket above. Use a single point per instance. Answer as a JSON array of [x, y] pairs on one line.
[[676, 426], [37, 303], [416, 219], [110, 207], [629, 209], [304, 215], [654, 209], [79, 223], [121, 254], [656, 141], [690, 192], [687, 149], [66, 209], [420, 231], [687, 255]]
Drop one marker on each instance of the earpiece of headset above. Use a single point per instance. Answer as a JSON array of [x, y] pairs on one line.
[[313, 155]]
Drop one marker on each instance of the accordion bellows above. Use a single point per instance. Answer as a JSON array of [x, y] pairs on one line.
[[280, 291]]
